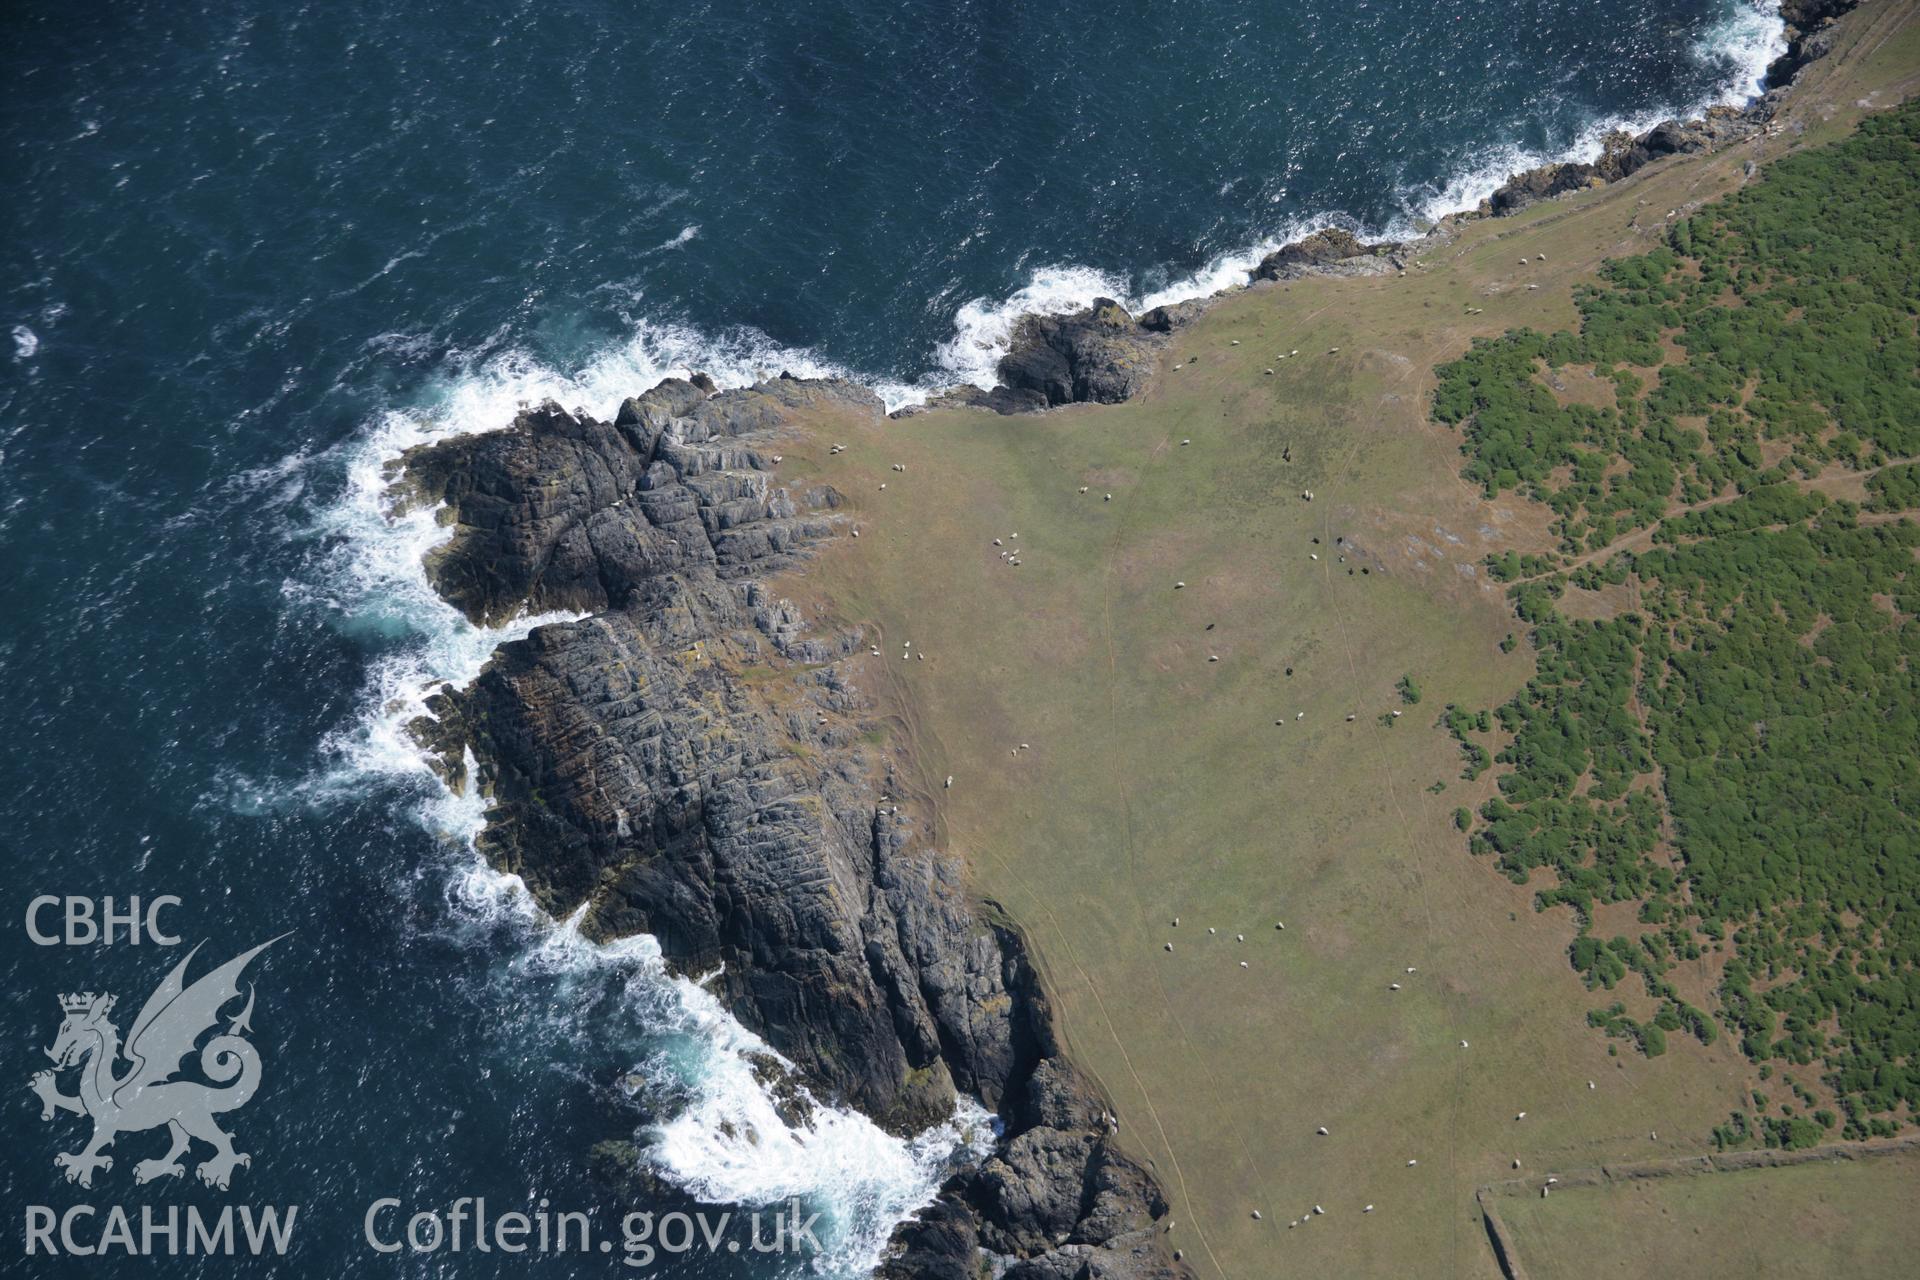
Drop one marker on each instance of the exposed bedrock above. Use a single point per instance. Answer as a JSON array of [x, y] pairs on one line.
[[1330, 251], [1103, 354], [639, 764], [1623, 153], [1100, 354], [1807, 35], [564, 511]]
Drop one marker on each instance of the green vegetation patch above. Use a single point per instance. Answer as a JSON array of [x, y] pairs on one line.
[[1738, 755]]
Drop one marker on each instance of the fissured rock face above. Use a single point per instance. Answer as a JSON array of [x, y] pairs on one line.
[[636, 771], [1623, 154], [1099, 355], [562, 511], [1328, 251]]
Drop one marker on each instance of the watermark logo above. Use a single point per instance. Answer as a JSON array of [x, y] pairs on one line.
[[643, 1237], [134, 1086]]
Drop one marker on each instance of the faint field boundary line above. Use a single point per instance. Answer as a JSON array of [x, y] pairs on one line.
[[1675, 1167]]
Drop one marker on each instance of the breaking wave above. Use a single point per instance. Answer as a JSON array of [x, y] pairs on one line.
[[722, 1137], [726, 1141], [1740, 48], [983, 328]]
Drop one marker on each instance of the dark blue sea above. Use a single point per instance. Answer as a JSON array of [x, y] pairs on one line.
[[248, 251]]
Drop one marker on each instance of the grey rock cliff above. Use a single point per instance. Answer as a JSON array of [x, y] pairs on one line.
[[1623, 154], [631, 766], [1099, 354], [1328, 251]]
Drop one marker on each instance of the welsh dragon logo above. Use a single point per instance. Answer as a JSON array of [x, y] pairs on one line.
[[146, 1096]]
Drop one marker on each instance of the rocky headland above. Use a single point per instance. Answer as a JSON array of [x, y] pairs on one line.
[[638, 767], [634, 766]]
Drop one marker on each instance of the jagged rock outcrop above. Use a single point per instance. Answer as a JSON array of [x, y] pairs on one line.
[[1807, 35], [1622, 154], [1100, 354], [567, 512], [1329, 251], [1056, 1198], [634, 768]]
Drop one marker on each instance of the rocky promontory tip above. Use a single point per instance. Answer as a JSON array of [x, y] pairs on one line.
[[1621, 154], [1103, 354], [1100, 354], [1331, 251], [563, 511], [634, 770]]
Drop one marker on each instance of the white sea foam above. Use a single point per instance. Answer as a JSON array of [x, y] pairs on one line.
[[1747, 41], [983, 328], [374, 583], [486, 393], [1741, 45], [728, 1143], [25, 342], [687, 235]]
